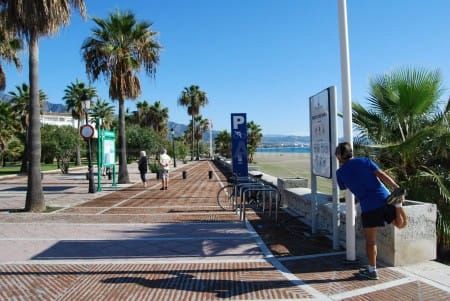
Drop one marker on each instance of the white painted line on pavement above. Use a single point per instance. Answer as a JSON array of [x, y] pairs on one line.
[[282, 269], [287, 258], [214, 172], [130, 198], [150, 207], [150, 214], [129, 238], [140, 260], [371, 289], [420, 278], [180, 224]]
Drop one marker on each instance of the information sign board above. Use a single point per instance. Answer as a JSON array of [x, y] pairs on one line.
[[320, 133], [239, 144]]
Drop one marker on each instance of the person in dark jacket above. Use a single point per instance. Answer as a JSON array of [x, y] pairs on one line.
[[143, 167]]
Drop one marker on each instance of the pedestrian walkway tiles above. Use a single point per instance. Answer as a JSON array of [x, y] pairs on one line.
[[199, 281], [147, 244]]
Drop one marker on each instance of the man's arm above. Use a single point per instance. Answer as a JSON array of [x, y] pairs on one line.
[[386, 179]]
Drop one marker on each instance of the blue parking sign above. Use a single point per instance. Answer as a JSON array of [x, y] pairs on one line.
[[239, 144]]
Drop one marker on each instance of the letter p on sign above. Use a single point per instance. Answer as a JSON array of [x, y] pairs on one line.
[[237, 120]]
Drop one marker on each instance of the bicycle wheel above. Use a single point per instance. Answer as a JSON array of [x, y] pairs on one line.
[[225, 197]]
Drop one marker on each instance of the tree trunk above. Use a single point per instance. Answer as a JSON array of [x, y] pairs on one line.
[[35, 198], [198, 149], [123, 169], [192, 148], [24, 165], [78, 158]]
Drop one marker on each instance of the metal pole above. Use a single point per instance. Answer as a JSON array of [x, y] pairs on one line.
[[334, 164], [210, 140], [173, 149], [90, 174], [347, 112], [313, 179]]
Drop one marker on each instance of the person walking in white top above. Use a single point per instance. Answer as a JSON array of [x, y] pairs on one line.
[[164, 162]]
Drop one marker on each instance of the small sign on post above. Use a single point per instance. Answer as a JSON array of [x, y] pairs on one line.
[[106, 156]]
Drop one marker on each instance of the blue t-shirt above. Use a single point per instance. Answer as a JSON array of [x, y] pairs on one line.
[[358, 175]]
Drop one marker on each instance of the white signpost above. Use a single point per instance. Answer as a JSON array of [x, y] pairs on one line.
[[323, 134], [320, 134]]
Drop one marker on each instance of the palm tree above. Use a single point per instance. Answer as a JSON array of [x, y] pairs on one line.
[[254, 136], [201, 125], [142, 113], [7, 127], [73, 95], [118, 49], [408, 131], [222, 143], [33, 20], [9, 48], [20, 101], [193, 98], [104, 111], [158, 117]]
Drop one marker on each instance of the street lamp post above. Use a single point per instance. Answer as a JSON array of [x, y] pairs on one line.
[[172, 132], [86, 103]]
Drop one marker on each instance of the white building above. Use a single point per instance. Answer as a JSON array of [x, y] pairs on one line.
[[58, 119]]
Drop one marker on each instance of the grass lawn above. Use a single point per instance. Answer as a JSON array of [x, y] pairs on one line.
[[14, 168], [290, 166]]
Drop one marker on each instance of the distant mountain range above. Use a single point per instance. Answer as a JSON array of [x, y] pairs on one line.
[[179, 129], [47, 107]]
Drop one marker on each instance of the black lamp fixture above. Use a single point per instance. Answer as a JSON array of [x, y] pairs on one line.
[[86, 104], [172, 133]]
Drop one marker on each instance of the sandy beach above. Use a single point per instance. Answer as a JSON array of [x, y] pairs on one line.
[[289, 165]]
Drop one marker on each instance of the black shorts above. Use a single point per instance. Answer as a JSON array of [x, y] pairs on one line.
[[378, 217]]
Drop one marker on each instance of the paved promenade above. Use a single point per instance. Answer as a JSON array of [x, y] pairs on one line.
[[134, 243]]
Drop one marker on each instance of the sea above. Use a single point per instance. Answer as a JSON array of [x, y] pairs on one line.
[[283, 149]]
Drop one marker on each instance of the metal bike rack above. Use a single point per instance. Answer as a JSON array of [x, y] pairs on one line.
[[261, 188]]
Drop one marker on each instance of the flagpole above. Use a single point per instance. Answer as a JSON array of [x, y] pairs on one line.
[[347, 112]]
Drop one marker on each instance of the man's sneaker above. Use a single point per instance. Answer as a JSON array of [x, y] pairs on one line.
[[396, 197], [369, 275], [364, 268]]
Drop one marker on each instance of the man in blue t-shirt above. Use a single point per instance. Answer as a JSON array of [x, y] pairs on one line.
[[367, 182]]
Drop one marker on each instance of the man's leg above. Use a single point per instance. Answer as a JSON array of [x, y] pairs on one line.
[[370, 235], [162, 180], [400, 220], [167, 180]]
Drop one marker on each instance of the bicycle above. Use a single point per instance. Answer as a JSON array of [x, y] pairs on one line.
[[227, 195]]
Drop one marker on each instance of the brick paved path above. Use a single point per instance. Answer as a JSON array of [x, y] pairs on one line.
[[148, 244]]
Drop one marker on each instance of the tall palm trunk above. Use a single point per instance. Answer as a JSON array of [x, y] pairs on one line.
[[123, 169], [192, 148], [35, 198], [78, 159], [24, 164], [198, 149]]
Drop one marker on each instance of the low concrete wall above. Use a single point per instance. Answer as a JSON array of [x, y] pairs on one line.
[[413, 244], [416, 243]]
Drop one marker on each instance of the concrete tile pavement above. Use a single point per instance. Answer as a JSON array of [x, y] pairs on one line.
[[147, 244]]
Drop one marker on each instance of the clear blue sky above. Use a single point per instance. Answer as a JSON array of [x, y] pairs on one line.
[[261, 57]]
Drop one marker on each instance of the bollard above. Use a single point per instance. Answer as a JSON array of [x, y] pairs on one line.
[[109, 175], [157, 175], [42, 175], [210, 174], [184, 174]]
